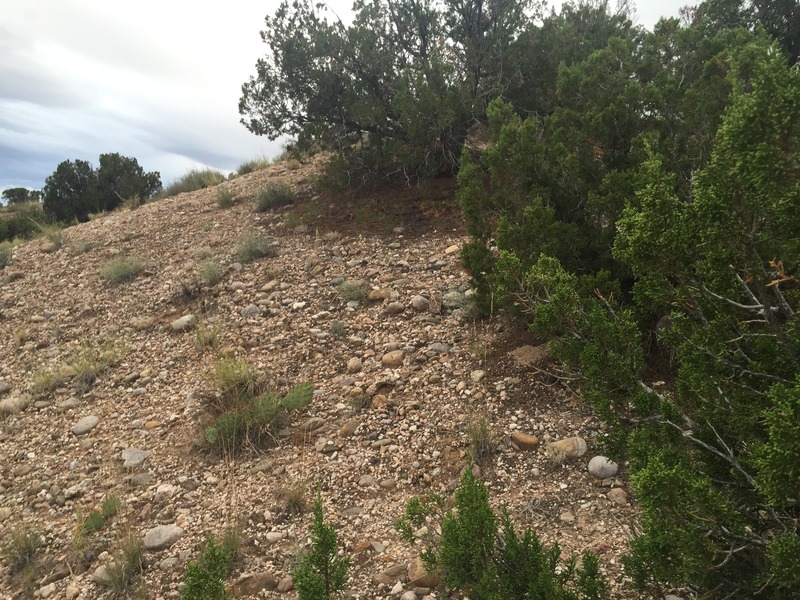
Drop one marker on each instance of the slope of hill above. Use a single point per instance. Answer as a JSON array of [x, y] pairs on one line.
[[399, 380]]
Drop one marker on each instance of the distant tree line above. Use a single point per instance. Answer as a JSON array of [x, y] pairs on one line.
[[74, 191]]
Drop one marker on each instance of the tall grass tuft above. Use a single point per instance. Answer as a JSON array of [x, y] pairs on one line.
[[195, 179]]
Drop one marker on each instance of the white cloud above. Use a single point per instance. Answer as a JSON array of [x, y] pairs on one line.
[[158, 80]]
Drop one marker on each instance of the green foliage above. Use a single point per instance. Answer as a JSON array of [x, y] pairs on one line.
[[338, 329], [193, 180], [225, 197], [256, 164], [352, 291], [75, 189], [5, 254], [488, 559], [19, 195], [605, 226], [127, 563], [253, 247], [20, 551], [211, 273], [21, 221], [274, 196], [205, 577], [122, 269], [245, 411], [321, 574], [121, 178], [395, 92]]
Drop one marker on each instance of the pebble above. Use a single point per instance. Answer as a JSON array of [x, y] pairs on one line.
[[250, 311], [85, 425], [162, 537], [572, 447], [366, 481], [394, 308], [419, 303], [602, 467], [618, 496], [525, 441], [392, 359], [354, 365], [477, 375], [134, 457], [185, 323], [409, 595], [285, 585]]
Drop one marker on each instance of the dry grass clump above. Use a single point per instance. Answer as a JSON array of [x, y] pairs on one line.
[[273, 196], [253, 247], [195, 179], [122, 269]]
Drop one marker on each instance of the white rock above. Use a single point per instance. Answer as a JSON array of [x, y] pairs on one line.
[[185, 323], [162, 537], [602, 467], [85, 425]]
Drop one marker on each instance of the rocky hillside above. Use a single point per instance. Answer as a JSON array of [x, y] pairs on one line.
[[104, 390]]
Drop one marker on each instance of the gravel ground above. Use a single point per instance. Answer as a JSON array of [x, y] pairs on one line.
[[399, 381]]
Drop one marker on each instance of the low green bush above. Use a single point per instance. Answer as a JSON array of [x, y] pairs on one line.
[[486, 557], [321, 573], [255, 418], [195, 179], [122, 269], [225, 197], [211, 273], [253, 247], [255, 164], [205, 577], [273, 196]]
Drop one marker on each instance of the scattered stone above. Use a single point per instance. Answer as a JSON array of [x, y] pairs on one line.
[[4, 387], [285, 585], [394, 308], [72, 592], [349, 428], [47, 590], [354, 365], [102, 573], [392, 359], [397, 589], [388, 483], [274, 536], [618, 496], [142, 480], [572, 447], [15, 404], [134, 457], [85, 425], [419, 303], [162, 537], [439, 348], [366, 481], [251, 584], [390, 575], [48, 247], [525, 441], [567, 517], [409, 595], [419, 576], [381, 294], [477, 375], [602, 467], [185, 323], [250, 311], [452, 249]]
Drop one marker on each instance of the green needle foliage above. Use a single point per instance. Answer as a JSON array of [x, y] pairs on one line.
[[486, 557], [649, 226], [205, 577], [321, 574]]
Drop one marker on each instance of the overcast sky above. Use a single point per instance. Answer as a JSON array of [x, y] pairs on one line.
[[156, 80]]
